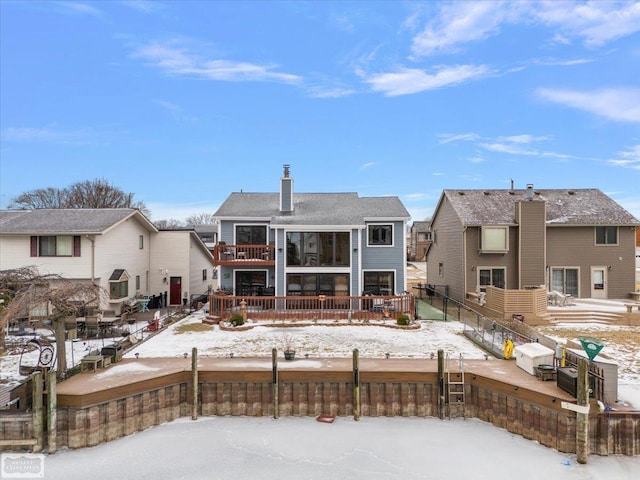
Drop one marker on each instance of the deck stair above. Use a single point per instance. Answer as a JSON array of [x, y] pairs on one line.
[[588, 310], [455, 384]]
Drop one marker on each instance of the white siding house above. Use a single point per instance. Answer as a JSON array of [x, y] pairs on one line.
[[181, 265], [118, 249]]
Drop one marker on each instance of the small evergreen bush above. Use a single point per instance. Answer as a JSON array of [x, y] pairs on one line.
[[236, 320], [403, 319]]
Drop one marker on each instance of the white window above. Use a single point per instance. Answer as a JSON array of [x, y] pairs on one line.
[[380, 235], [494, 240]]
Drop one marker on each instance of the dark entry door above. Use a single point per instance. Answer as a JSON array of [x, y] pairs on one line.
[[175, 291]]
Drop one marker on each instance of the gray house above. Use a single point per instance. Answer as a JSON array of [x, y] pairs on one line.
[[576, 242], [289, 244]]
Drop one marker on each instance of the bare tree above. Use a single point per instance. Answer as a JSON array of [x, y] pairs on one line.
[[203, 218], [27, 289], [98, 193], [42, 198], [168, 224]]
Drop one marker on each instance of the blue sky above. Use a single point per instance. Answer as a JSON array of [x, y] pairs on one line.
[[184, 102]]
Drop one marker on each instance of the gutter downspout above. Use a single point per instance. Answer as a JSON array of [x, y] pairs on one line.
[[464, 263], [93, 257], [92, 239]]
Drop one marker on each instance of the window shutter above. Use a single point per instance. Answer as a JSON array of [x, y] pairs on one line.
[[76, 245], [34, 246]]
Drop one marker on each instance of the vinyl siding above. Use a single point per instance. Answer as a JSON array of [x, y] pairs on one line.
[[119, 248], [170, 251], [15, 252], [508, 261], [575, 247], [198, 261], [386, 258], [448, 250]]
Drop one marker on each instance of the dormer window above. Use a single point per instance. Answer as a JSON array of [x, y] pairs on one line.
[[494, 239]]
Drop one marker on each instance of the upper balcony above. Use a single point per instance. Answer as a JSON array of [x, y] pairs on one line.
[[250, 255]]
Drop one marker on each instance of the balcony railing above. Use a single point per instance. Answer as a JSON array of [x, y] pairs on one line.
[[224, 254], [320, 307]]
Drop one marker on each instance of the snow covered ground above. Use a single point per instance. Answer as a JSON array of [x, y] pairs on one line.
[[325, 340], [334, 341], [263, 448]]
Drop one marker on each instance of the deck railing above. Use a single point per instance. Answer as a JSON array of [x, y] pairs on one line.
[[223, 253], [314, 308]]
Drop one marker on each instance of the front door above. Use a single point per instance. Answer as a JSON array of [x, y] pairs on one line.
[[175, 291], [598, 282]]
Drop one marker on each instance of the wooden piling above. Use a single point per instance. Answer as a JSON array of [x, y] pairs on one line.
[[441, 397], [38, 425], [356, 384], [52, 406], [194, 382], [274, 369], [582, 419]]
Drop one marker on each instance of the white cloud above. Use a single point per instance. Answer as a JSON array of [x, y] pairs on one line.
[[415, 196], [521, 139], [628, 159], [459, 23], [507, 148], [477, 159], [330, 92], [472, 178], [176, 59], [411, 80], [83, 136], [455, 137], [79, 8], [144, 6], [622, 104], [554, 62], [509, 144], [595, 22], [176, 111], [367, 165]]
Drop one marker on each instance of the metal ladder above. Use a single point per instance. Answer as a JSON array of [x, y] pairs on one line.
[[455, 387]]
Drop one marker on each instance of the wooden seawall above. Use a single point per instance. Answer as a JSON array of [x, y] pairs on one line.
[[134, 395]]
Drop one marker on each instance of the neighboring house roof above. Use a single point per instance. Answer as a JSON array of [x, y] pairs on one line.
[[564, 207], [420, 226], [67, 220], [312, 208]]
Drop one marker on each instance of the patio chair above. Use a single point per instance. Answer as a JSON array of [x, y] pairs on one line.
[[92, 326]]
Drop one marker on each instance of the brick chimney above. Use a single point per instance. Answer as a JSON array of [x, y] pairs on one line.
[[286, 191]]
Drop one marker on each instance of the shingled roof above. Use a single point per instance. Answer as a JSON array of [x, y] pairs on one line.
[[312, 208], [66, 221], [564, 207]]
